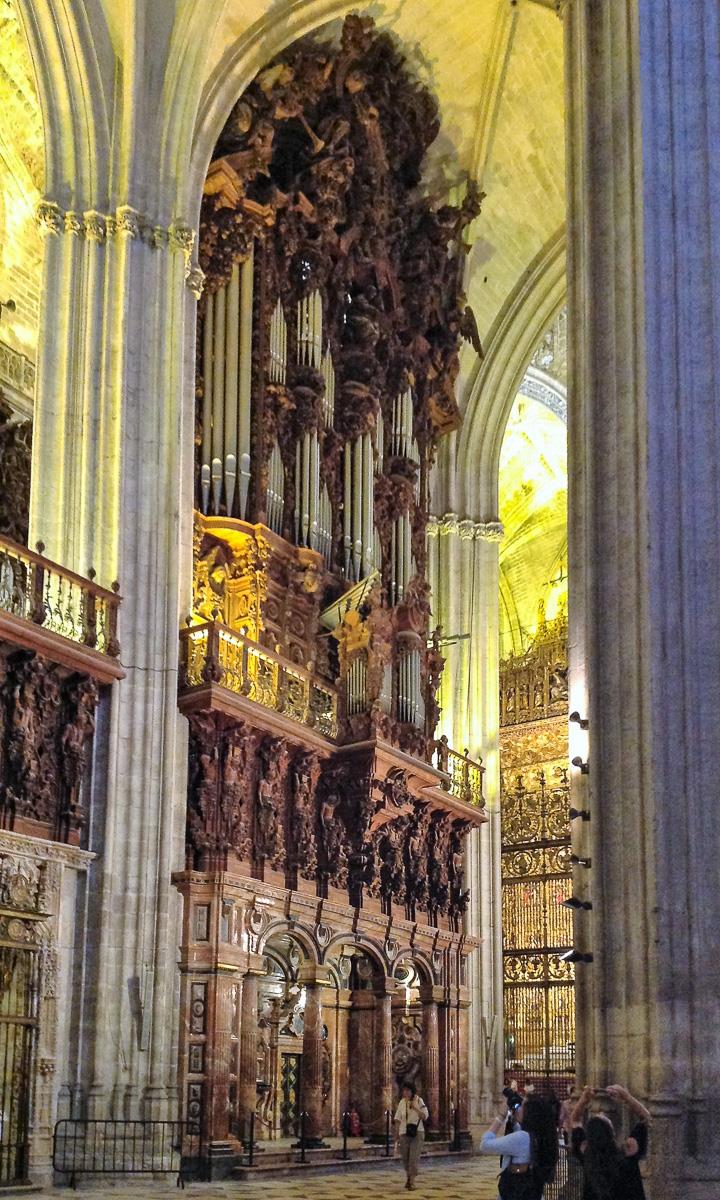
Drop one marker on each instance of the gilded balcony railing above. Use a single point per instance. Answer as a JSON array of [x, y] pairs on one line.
[[465, 782], [214, 653], [53, 598]]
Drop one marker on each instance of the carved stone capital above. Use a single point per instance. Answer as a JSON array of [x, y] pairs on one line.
[[195, 279], [181, 237], [49, 218], [465, 528], [490, 531], [95, 225], [74, 224], [128, 221]]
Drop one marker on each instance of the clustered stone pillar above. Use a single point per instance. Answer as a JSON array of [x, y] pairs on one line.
[[430, 998], [644, 540], [313, 979]]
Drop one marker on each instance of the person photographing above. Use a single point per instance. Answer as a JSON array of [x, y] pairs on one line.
[[525, 1137], [410, 1118], [610, 1171]]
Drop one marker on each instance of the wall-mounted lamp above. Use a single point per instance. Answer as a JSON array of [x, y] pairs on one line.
[[575, 956], [574, 813], [574, 902], [576, 719], [584, 766], [7, 306], [580, 862]]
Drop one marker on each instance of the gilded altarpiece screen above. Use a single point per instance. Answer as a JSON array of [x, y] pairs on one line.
[[539, 991]]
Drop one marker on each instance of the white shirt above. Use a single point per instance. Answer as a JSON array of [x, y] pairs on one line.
[[411, 1108], [514, 1147]]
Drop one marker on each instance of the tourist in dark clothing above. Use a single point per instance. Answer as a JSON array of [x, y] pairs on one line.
[[611, 1172]]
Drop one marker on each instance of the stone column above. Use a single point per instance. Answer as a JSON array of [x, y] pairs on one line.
[[342, 1055], [383, 1079], [464, 558], [361, 1057], [111, 475], [247, 1064], [313, 979], [643, 79], [430, 997]]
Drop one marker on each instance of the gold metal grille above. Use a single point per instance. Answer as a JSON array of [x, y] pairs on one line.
[[537, 929]]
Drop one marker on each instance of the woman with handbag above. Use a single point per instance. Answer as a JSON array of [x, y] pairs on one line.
[[410, 1120], [529, 1153]]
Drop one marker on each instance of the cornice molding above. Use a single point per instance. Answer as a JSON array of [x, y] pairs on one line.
[[464, 528], [38, 848], [125, 223]]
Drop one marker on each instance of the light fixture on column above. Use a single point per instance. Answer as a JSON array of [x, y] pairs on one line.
[[575, 902], [576, 719], [584, 767], [7, 306], [580, 862], [574, 813], [576, 956]]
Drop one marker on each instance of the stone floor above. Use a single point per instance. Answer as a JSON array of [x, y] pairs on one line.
[[472, 1179]]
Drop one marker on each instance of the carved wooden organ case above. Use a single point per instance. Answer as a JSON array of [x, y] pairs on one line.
[[328, 349]]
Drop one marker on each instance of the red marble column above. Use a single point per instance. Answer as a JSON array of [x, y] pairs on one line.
[[361, 1086], [430, 997], [247, 1065], [313, 979], [383, 1081]]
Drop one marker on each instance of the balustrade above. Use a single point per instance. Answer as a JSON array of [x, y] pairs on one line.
[[214, 653], [40, 591], [465, 782]]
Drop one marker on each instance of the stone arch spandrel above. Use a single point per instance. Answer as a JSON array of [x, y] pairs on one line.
[[529, 310]]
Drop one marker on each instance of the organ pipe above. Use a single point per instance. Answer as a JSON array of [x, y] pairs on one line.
[[347, 511], [309, 330], [218, 448], [227, 384], [245, 376], [368, 473], [232, 324], [207, 402], [329, 397], [275, 494]]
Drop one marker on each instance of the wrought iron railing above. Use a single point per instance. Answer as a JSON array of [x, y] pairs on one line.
[[127, 1148], [465, 782], [53, 598], [214, 653]]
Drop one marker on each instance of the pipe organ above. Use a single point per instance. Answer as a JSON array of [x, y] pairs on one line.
[[328, 347]]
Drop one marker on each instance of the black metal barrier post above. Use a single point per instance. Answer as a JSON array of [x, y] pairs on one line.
[[303, 1116], [387, 1132], [345, 1124], [251, 1140]]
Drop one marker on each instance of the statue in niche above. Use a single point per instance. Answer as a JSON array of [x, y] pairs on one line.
[[304, 849], [269, 801], [332, 837], [406, 1051], [74, 747], [558, 684]]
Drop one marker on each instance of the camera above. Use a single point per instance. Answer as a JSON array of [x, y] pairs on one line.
[[514, 1099]]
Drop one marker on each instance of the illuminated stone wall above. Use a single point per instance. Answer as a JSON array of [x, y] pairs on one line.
[[21, 183]]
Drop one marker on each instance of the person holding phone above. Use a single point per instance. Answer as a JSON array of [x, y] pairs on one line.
[[410, 1118], [611, 1171]]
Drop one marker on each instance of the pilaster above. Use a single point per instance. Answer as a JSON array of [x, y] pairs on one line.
[[465, 557]]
